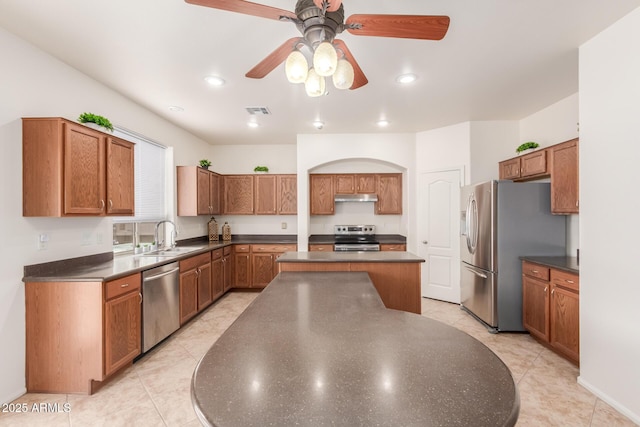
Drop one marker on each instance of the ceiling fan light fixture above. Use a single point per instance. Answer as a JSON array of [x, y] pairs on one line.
[[314, 85], [325, 59], [344, 75], [333, 4], [296, 67]]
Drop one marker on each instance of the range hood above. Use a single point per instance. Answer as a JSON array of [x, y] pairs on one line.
[[356, 198]]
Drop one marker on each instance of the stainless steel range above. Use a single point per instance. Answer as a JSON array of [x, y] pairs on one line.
[[355, 238]]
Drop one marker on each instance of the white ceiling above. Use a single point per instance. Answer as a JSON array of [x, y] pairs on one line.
[[500, 60]]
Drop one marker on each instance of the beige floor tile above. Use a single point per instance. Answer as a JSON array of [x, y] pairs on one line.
[[605, 416], [36, 410]]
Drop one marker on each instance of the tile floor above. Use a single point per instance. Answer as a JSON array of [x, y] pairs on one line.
[[155, 390]]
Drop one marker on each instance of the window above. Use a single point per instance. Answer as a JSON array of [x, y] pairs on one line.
[[150, 206]]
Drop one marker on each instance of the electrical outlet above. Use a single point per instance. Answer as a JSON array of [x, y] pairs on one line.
[[43, 241], [284, 225], [86, 238], [99, 238]]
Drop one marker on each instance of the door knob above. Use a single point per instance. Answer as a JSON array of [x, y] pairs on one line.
[[424, 242]]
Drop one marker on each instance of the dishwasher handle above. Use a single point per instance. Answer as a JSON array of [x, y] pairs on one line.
[[166, 273]]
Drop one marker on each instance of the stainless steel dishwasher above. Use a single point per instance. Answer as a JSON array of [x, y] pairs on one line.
[[160, 304]]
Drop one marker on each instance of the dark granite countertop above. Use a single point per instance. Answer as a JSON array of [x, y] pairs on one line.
[[328, 239], [373, 256], [102, 267], [565, 263], [320, 349]]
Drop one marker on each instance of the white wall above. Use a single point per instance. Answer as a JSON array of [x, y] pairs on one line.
[[397, 151], [491, 142], [549, 126], [444, 148], [609, 153], [34, 84]]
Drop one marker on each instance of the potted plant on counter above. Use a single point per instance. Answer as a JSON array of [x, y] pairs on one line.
[[204, 164], [526, 147], [97, 122]]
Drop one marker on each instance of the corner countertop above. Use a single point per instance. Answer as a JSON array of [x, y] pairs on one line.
[[374, 256], [329, 239], [321, 349], [565, 263], [104, 267]]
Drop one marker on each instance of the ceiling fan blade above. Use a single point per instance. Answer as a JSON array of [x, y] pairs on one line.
[[245, 7], [424, 27], [274, 59], [359, 79]]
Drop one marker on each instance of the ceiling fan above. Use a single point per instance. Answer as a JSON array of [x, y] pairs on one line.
[[319, 22]]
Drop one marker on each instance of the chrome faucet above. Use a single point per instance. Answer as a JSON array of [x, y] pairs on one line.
[[174, 233]]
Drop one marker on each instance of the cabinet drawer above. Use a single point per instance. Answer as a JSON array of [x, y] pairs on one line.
[[565, 279], [195, 261], [392, 247], [226, 250], [121, 286], [535, 270], [217, 254], [320, 248], [241, 248], [272, 248]]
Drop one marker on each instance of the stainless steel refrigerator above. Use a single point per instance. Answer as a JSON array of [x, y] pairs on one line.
[[501, 221]]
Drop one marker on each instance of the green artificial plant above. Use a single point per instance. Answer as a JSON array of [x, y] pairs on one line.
[[527, 146], [261, 169], [94, 118], [204, 163]]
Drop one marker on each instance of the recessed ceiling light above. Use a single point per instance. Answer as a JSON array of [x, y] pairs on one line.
[[253, 124], [176, 108], [406, 78], [318, 124], [383, 123], [214, 80]]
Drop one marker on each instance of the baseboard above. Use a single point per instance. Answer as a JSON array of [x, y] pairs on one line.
[[609, 401], [12, 396]]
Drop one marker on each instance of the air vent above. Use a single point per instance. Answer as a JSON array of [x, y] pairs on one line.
[[258, 111]]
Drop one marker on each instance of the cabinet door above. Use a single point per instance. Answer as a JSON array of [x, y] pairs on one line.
[[535, 307], [510, 169], [345, 184], [242, 270], [84, 171], [262, 268], [365, 183], [217, 277], [238, 194], [214, 193], [389, 189], [188, 295], [120, 177], [534, 164], [564, 178], [321, 194], [565, 322], [227, 267], [204, 205], [265, 200], [122, 331], [287, 194], [205, 295]]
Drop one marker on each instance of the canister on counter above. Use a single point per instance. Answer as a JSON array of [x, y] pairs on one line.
[[226, 231], [212, 225]]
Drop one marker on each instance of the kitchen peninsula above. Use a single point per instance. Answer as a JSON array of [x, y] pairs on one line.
[[319, 348], [395, 275]]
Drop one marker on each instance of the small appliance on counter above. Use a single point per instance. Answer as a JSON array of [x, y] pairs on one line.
[[355, 238]]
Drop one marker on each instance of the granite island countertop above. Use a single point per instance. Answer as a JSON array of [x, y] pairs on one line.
[[104, 267], [320, 348], [373, 256], [565, 263]]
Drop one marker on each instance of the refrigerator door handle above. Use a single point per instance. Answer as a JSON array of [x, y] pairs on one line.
[[472, 226], [484, 276]]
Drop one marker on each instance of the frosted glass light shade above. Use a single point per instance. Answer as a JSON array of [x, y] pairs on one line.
[[314, 85], [296, 67], [343, 77], [325, 59]]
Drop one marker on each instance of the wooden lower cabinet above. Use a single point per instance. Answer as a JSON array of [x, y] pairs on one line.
[[242, 266], [217, 274], [397, 283], [255, 265], [550, 308], [78, 334], [195, 285], [227, 268]]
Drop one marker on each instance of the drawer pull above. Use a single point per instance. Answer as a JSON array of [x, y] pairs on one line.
[[569, 281], [124, 285], [535, 271]]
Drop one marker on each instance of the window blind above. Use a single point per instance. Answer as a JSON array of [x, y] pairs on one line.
[[150, 165]]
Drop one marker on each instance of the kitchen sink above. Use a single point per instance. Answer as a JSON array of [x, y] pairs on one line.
[[170, 252]]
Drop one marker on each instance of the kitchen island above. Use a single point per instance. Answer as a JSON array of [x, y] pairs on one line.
[[319, 348], [395, 275]]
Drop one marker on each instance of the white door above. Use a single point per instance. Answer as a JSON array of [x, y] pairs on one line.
[[439, 234]]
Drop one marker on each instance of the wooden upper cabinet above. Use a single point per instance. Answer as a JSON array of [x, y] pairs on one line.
[[287, 194], [321, 194], [198, 191], [238, 194], [534, 164], [355, 183], [365, 183], [345, 184], [389, 190], [120, 177], [509, 169], [265, 194], [71, 170], [564, 178]]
